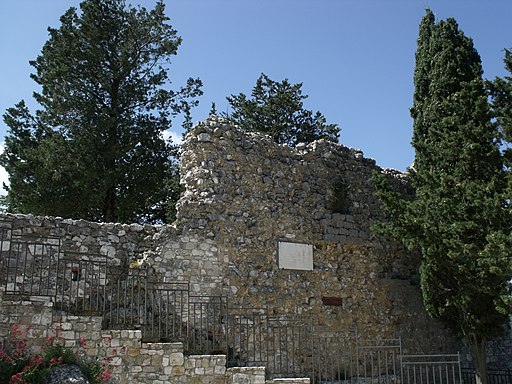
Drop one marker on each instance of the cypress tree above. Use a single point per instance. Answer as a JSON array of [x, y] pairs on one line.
[[500, 90], [457, 217]]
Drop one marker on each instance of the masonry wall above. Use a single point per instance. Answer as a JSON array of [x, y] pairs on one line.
[[246, 193], [243, 194], [128, 358]]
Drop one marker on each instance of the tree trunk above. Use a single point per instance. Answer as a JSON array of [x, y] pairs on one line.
[[109, 206], [478, 350]]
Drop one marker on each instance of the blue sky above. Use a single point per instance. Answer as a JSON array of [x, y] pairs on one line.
[[355, 58]]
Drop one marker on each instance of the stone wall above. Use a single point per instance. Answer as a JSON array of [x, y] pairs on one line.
[[130, 360], [245, 193]]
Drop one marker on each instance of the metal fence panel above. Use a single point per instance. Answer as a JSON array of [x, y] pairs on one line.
[[30, 266], [431, 369], [494, 376], [163, 311], [246, 332], [207, 316], [81, 283]]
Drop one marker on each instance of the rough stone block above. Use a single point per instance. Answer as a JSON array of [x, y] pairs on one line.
[[176, 358]]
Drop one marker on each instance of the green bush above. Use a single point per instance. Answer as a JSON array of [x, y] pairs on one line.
[[18, 365]]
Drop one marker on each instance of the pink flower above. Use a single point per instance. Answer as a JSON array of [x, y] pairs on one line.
[[5, 356], [37, 360], [82, 342], [105, 375], [26, 368], [17, 379]]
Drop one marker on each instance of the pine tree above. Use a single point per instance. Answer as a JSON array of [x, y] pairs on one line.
[[456, 216], [95, 149], [277, 108]]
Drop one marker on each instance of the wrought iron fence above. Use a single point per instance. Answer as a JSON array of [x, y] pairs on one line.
[[494, 376], [246, 337], [332, 356], [431, 369], [206, 324], [29, 266], [166, 311], [80, 283]]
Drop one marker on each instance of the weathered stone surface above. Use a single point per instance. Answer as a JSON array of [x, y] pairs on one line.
[[243, 194], [66, 374], [250, 193]]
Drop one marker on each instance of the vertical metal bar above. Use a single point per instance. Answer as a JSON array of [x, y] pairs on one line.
[[174, 297], [309, 356], [274, 343], [57, 283], [118, 299], [125, 298], [357, 355], [379, 362], [89, 283], [191, 324], [254, 338], [216, 313], [187, 329], [180, 313], [295, 337], [24, 273], [458, 365], [31, 267], [16, 267], [331, 363], [201, 328], [45, 284], [27, 283], [288, 354], [85, 276], [280, 343], [148, 297]]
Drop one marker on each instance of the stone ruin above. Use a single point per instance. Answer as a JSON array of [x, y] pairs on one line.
[[268, 230]]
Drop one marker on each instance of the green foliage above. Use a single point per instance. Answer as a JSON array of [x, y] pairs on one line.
[[213, 110], [95, 149], [18, 365], [457, 214], [276, 108], [500, 90]]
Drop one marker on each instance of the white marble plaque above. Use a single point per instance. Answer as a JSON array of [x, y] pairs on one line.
[[295, 256]]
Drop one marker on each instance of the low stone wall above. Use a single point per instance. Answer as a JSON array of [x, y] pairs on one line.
[[130, 360], [243, 196]]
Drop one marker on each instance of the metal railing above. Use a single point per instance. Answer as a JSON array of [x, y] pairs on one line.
[[206, 325], [494, 376], [431, 369], [29, 266], [81, 283], [166, 311]]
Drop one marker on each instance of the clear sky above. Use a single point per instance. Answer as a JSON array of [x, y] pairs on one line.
[[355, 58]]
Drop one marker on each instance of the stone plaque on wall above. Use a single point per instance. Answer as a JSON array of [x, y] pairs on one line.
[[295, 256]]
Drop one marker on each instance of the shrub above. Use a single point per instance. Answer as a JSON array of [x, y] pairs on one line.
[[19, 365]]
